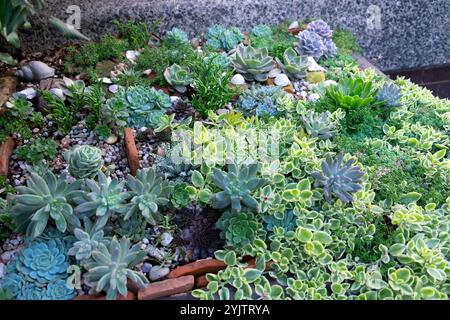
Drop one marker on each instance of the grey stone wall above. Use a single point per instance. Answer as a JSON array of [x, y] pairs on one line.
[[412, 33]]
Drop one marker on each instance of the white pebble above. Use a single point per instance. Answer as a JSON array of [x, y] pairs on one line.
[[158, 272], [166, 239], [274, 72], [6, 256], [237, 80], [2, 270], [145, 240], [282, 80], [313, 97]]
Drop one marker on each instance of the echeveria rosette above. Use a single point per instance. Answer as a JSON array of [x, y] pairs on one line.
[[220, 38], [148, 194], [58, 290], [102, 199], [13, 283], [310, 44], [262, 30], [321, 28], [330, 48], [237, 186], [84, 161], [319, 125], [253, 63], [338, 178], [179, 77], [239, 229], [32, 291], [43, 261], [87, 240], [112, 265], [389, 94], [260, 100], [43, 199], [295, 66], [176, 36]]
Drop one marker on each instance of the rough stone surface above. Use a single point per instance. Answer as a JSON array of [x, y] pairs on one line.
[[197, 268], [166, 288], [411, 33]]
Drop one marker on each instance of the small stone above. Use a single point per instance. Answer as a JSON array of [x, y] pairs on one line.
[[195, 43], [2, 270], [35, 130], [303, 94], [160, 152], [237, 80], [58, 93], [328, 83], [132, 55], [143, 246], [145, 241], [6, 256], [113, 88], [112, 139], [293, 25], [314, 66], [166, 288], [65, 142], [106, 80], [166, 239], [274, 72], [158, 272], [146, 267], [282, 80], [313, 97], [174, 99], [155, 252], [29, 93]]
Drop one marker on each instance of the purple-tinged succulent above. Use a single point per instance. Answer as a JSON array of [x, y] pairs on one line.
[[330, 48], [321, 28], [310, 44], [340, 179]]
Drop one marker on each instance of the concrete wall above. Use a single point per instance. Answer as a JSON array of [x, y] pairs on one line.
[[412, 33]]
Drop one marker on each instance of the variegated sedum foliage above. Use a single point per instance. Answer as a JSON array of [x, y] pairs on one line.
[[390, 242]]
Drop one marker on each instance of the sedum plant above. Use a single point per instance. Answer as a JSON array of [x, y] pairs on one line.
[[319, 125], [103, 198], [112, 265], [237, 186], [84, 161], [252, 63], [295, 66], [338, 178], [220, 38], [45, 198], [148, 194], [178, 77]]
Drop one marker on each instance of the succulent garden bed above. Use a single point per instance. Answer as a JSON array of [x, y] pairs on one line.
[[257, 165]]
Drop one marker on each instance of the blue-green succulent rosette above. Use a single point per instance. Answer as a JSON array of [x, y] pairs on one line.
[[39, 272]]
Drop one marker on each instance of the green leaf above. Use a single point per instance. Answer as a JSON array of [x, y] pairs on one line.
[[397, 249], [251, 275], [303, 234], [197, 179], [230, 258], [410, 197], [323, 237], [7, 59], [204, 195]]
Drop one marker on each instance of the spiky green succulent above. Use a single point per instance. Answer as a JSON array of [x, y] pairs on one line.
[[237, 186], [389, 94], [319, 125], [103, 198], [352, 94], [45, 198], [112, 265], [176, 36], [137, 107], [294, 66], [178, 77], [338, 178], [252, 63], [84, 161], [88, 240], [220, 38], [148, 194], [239, 229]]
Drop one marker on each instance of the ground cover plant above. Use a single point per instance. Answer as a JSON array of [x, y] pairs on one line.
[[269, 150]]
